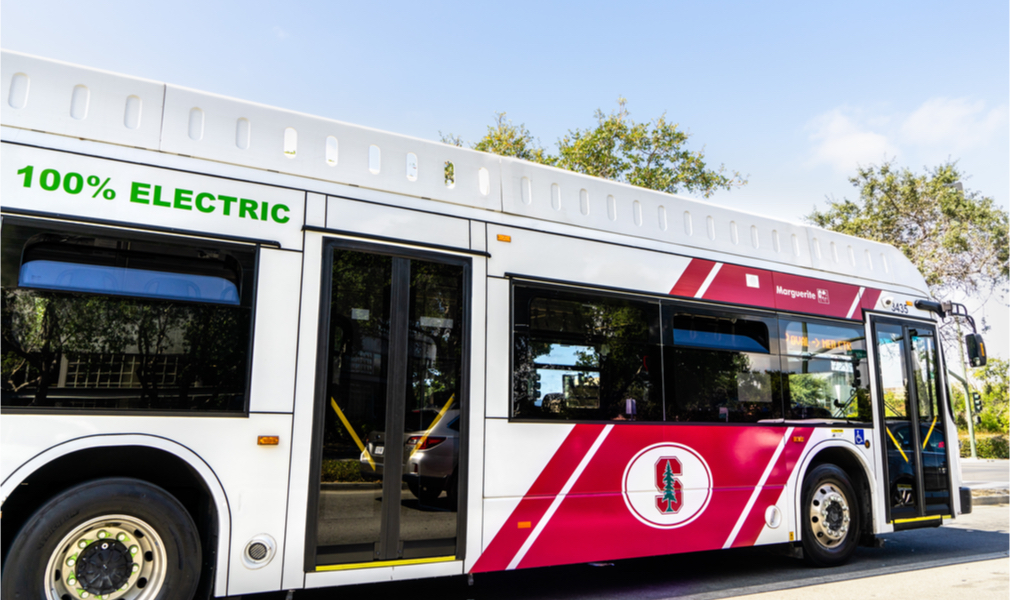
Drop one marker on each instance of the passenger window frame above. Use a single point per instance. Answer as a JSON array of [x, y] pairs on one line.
[[19, 230]]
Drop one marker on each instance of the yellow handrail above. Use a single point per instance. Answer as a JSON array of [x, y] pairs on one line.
[[438, 418], [896, 445], [350, 430]]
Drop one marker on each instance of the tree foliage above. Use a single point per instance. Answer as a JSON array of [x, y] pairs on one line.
[[995, 396], [957, 239], [652, 155]]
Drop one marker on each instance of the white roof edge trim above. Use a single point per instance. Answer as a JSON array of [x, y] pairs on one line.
[[408, 166], [64, 63]]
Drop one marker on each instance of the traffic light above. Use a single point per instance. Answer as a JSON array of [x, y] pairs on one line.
[[978, 402]]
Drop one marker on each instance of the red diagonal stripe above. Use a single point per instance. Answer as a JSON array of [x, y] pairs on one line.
[[868, 302], [692, 278], [537, 500], [772, 489]]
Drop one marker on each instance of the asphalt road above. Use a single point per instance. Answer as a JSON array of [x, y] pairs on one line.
[[985, 474], [907, 559]]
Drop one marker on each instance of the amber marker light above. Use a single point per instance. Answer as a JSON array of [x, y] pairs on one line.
[[268, 440], [504, 238], [525, 524]]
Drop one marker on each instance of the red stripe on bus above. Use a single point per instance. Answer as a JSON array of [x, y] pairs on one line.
[[742, 285], [773, 488], [735, 284], [869, 301], [692, 278], [537, 500], [594, 523]]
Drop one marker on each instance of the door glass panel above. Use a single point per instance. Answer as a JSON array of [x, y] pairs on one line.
[[901, 455], [933, 442], [432, 412], [353, 452]]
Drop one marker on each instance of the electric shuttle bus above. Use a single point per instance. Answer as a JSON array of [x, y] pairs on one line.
[[247, 349]]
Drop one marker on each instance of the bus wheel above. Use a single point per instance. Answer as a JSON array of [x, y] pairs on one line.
[[830, 517], [109, 538]]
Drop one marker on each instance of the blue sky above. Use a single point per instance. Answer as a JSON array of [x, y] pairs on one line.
[[792, 94]]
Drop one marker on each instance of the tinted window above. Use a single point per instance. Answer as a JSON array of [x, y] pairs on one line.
[[825, 370], [720, 332], [720, 366], [98, 321], [585, 356]]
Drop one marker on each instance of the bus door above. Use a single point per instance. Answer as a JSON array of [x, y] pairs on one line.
[[914, 435], [390, 398]]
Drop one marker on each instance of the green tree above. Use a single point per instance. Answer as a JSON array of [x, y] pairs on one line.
[[652, 155], [957, 239], [995, 397]]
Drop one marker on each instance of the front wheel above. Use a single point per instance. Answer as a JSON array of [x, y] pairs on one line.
[[830, 517], [110, 538]]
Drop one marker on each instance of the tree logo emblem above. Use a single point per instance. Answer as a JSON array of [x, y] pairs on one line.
[[667, 485], [667, 468]]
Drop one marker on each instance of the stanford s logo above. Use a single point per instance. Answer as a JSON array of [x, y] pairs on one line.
[[666, 482], [680, 476]]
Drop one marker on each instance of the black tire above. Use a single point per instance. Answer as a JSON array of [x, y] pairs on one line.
[[88, 535], [429, 492], [830, 513]]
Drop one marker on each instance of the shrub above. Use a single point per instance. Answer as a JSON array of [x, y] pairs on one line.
[[986, 445], [341, 471]]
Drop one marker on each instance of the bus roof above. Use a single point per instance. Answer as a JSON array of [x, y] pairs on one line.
[[63, 99]]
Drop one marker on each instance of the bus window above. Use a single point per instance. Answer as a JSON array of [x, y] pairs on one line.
[[581, 356], [720, 367], [824, 370], [96, 321]]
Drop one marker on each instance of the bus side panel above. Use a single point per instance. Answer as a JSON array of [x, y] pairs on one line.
[[499, 333], [301, 432], [242, 468], [619, 491], [472, 469], [275, 350]]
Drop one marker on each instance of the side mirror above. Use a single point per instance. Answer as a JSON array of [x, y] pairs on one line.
[[976, 349]]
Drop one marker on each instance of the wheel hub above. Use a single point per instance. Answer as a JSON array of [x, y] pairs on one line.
[[115, 557], [104, 566], [829, 515]]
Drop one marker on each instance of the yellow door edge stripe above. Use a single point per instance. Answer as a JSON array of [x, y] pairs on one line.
[[929, 518], [386, 563]]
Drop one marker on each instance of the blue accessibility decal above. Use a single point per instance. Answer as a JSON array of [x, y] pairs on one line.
[[859, 436]]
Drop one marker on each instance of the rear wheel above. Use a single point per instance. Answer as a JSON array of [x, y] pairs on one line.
[[830, 517], [110, 538]]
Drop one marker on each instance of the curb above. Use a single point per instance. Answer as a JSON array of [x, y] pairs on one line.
[[990, 500]]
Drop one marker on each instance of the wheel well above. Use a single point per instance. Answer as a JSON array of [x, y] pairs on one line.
[[152, 465], [847, 461]]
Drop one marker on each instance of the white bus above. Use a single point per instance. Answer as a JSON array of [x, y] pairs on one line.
[[221, 320]]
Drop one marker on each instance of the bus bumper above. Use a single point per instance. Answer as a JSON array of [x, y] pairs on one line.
[[965, 501]]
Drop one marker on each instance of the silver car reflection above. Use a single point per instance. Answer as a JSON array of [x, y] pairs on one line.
[[430, 456]]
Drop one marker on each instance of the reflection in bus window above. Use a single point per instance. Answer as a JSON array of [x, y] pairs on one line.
[[585, 357], [721, 367], [825, 367], [721, 387], [102, 323]]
